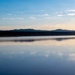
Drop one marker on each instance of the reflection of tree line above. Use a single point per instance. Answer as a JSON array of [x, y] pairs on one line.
[[33, 40]]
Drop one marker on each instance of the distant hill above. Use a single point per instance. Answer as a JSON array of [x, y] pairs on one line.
[[61, 30], [23, 30], [33, 32]]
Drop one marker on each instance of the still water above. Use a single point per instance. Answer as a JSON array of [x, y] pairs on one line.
[[37, 55]]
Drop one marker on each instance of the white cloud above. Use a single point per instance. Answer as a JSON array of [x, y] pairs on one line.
[[60, 12], [71, 14], [20, 18], [32, 17], [43, 10], [46, 15], [71, 10], [8, 18], [13, 18], [60, 15]]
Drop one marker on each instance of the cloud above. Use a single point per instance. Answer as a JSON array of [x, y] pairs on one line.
[[46, 15], [13, 18], [71, 10], [32, 17], [60, 15], [43, 10], [8, 18], [9, 14], [20, 18], [71, 14]]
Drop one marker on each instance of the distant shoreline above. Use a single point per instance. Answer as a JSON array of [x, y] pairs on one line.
[[32, 32]]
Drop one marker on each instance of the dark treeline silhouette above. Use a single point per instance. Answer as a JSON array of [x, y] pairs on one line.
[[32, 32]]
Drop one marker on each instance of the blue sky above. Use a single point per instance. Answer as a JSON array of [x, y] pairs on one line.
[[38, 14]]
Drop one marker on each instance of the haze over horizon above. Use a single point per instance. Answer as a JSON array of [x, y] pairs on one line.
[[37, 14]]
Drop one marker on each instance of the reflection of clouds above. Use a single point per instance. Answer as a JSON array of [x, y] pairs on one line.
[[60, 54], [45, 48], [21, 52], [71, 56], [12, 53], [33, 52], [46, 55], [63, 53]]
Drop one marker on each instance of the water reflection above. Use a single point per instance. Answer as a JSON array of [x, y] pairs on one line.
[[20, 39], [37, 56], [46, 41]]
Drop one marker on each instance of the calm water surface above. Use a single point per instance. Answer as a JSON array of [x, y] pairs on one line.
[[37, 55]]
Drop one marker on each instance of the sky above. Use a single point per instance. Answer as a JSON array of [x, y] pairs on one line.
[[37, 14]]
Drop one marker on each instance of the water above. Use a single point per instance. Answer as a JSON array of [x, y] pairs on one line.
[[37, 55]]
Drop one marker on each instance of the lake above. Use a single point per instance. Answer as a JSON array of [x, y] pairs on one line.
[[44, 55]]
